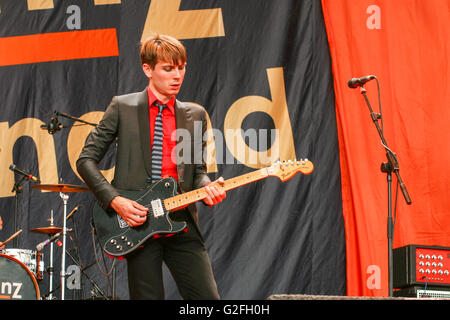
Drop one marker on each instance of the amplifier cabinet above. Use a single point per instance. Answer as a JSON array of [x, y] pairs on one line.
[[422, 292], [421, 265]]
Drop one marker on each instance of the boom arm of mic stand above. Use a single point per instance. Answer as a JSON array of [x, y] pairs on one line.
[[391, 157], [73, 118], [394, 162]]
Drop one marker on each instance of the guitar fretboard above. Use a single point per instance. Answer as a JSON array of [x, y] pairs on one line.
[[184, 199]]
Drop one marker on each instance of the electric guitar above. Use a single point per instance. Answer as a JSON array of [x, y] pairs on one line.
[[117, 238]]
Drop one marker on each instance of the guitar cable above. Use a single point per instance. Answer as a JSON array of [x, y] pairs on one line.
[[106, 273]]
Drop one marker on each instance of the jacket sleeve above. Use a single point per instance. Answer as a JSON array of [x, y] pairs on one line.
[[201, 177], [96, 145]]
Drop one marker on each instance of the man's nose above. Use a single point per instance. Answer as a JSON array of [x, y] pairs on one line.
[[177, 73]]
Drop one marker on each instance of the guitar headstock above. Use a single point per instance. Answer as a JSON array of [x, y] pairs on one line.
[[286, 169]]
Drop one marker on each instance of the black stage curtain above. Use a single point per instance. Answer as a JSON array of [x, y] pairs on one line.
[[258, 65]]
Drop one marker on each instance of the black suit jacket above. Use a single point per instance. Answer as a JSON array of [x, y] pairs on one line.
[[126, 121]]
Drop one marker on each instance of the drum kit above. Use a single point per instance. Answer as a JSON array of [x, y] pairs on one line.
[[21, 268]]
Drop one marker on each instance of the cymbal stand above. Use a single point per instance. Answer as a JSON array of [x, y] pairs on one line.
[[50, 268], [65, 197], [95, 286], [82, 270]]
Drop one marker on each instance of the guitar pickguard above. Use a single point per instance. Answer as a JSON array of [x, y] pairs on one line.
[[118, 238]]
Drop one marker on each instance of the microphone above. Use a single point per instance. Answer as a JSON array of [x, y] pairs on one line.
[[358, 82], [43, 244], [53, 126], [14, 168]]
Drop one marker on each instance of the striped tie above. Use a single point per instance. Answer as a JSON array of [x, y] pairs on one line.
[[157, 149]]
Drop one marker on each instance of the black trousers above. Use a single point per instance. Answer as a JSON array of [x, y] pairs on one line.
[[187, 260]]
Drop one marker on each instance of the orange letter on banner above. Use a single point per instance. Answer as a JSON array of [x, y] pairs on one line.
[[40, 4], [57, 46], [103, 2], [45, 148], [283, 147], [164, 17]]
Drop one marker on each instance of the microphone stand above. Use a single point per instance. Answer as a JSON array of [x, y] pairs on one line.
[[16, 189], [65, 115], [54, 125], [388, 167]]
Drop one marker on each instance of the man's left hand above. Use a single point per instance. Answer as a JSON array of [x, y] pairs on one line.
[[215, 192]]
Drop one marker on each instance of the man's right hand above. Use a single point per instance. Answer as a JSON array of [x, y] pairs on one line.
[[132, 212]]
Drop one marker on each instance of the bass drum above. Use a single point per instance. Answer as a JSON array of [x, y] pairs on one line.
[[17, 282], [33, 260]]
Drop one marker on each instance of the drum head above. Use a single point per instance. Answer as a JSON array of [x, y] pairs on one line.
[[17, 282]]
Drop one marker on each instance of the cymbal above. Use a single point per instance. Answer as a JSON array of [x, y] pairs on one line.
[[47, 230], [60, 187]]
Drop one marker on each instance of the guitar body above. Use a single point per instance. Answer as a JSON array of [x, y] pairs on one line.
[[114, 234], [117, 238]]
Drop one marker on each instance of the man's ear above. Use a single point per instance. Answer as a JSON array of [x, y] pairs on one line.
[[147, 70]]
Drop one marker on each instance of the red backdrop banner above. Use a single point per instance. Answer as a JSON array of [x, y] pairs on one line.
[[406, 45]]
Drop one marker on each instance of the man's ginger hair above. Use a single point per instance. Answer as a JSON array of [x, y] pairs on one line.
[[162, 48]]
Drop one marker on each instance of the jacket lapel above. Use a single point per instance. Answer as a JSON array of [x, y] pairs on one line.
[[144, 130]]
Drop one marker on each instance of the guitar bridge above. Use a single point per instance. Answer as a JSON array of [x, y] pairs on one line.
[[157, 208]]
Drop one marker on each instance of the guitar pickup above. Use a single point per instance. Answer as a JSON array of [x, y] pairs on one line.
[[157, 208]]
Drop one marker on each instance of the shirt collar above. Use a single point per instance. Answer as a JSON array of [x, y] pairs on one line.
[[152, 98]]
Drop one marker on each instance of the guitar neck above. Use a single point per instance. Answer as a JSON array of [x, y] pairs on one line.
[[184, 199]]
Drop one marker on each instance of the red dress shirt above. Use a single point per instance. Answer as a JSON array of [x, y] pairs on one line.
[[169, 167]]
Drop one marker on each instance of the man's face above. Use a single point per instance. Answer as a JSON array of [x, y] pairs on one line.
[[165, 79]]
